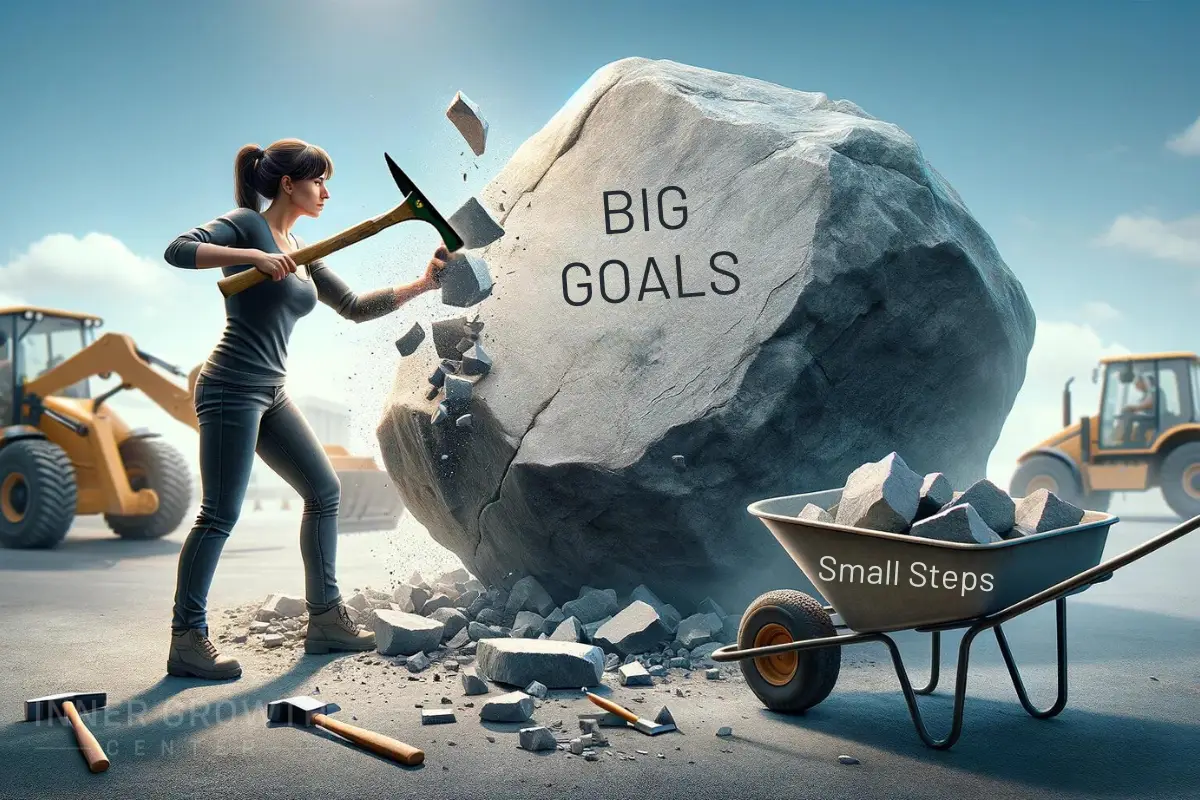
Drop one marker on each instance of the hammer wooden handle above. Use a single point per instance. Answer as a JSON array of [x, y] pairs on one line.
[[375, 742], [609, 705], [305, 255], [91, 749]]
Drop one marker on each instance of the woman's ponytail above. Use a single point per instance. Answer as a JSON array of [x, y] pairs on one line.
[[245, 176]]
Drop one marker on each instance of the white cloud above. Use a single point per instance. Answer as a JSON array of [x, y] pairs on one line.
[[1099, 312], [1188, 142], [1170, 241], [1061, 350], [96, 263]]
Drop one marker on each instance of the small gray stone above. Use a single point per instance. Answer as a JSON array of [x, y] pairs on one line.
[[446, 333], [669, 616], [476, 361], [278, 606], [725, 730], [478, 228], [463, 422], [712, 674], [936, 493], [400, 633], [657, 671], [848, 760], [611, 662], [466, 116], [528, 624], [710, 606], [537, 689], [536, 739], [638, 628], [663, 715], [814, 513], [679, 461], [438, 716], [881, 495], [679, 663], [466, 280], [489, 616], [272, 640], [991, 503], [259, 627], [558, 665], [553, 620], [569, 630], [408, 343], [589, 630], [453, 621], [703, 653], [1045, 511], [698, 629], [528, 594], [634, 674], [459, 639], [591, 607], [458, 394], [417, 663], [958, 523], [511, 707], [473, 684]]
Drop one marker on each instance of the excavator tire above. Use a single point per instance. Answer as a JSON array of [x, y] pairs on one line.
[[154, 464], [37, 494]]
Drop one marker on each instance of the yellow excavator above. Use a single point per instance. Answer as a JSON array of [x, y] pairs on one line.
[[65, 453], [1145, 435]]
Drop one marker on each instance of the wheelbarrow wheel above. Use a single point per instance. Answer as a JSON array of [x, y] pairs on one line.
[[795, 681]]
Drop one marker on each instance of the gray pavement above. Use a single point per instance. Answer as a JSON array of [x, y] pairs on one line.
[[93, 615]]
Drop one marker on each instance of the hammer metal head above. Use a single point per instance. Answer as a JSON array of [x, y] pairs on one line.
[[422, 208], [653, 728], [297, 710], [51, 706]]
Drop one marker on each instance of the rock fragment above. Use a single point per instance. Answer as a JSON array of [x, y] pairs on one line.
[[936, 493], [437, 716], [991, 503], [528, 594], [591, 607], [1044, 511], [280, 606], [569, 630], [634, 674], [467, 117], [880, 495], [476, 225], [537, 739], [814, 513], [557, 665], [466, 281], [476, 361], [959, 523], [400, 633], [418, 663], [454, 622], [408, 343], [511, 707], [537, 689], [638, 628]]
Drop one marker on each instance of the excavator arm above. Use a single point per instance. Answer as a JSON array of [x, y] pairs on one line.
[[117, 353]]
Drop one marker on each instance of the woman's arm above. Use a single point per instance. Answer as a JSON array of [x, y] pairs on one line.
[[333, 291]]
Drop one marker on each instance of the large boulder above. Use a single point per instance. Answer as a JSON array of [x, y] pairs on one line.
[[805, 293]]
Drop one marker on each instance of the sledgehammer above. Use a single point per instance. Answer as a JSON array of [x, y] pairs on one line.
[[472, 227], [648, 727], [309, 712], [69, 704]]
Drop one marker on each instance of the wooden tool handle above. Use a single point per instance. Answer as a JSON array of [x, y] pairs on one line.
[[375, 742], [91, 749], [609, 705], [305, 255]]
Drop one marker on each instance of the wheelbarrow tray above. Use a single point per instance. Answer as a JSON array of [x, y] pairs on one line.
[[878, 581]]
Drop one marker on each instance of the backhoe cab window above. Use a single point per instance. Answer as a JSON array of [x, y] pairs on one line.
[[1124, 423], [6, 372], [48, 343]]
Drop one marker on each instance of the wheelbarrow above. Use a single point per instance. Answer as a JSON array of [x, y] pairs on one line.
[[789, 645]]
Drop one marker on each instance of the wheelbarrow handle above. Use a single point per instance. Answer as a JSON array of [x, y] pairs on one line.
[[1092, 575]]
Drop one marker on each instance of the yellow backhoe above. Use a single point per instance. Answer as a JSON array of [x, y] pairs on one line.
[[1145, 435], [65, 453]]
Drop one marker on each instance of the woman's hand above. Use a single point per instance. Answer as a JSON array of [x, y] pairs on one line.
[[276, 266], [432, 277]]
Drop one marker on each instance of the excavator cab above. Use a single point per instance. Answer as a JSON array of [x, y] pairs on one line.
[[1146, 434]]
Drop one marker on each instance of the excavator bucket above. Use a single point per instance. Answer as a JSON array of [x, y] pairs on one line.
[[369, 500]]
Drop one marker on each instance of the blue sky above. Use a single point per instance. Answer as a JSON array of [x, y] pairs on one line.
[[1070, 130]]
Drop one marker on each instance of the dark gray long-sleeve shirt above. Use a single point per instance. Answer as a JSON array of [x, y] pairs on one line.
[[259, 321]]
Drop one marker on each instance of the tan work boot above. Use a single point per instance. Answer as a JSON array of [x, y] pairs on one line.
[[193, 655], [334, 630]]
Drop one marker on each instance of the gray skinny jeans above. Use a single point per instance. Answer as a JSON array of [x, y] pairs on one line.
[[236, 422]]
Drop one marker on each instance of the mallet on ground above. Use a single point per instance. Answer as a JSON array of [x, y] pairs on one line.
[[646, 726], [310, 712], [69, 704]]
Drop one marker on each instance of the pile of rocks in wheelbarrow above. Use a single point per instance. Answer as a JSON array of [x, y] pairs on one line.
[[886, 495]]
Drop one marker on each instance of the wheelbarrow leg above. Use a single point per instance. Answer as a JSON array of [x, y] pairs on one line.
[[1061, 702], [960, 689], [935, 665]]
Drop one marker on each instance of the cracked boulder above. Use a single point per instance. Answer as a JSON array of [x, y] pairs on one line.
[[784, 240]]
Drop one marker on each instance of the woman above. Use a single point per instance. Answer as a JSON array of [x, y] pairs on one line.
[[240, 398]]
